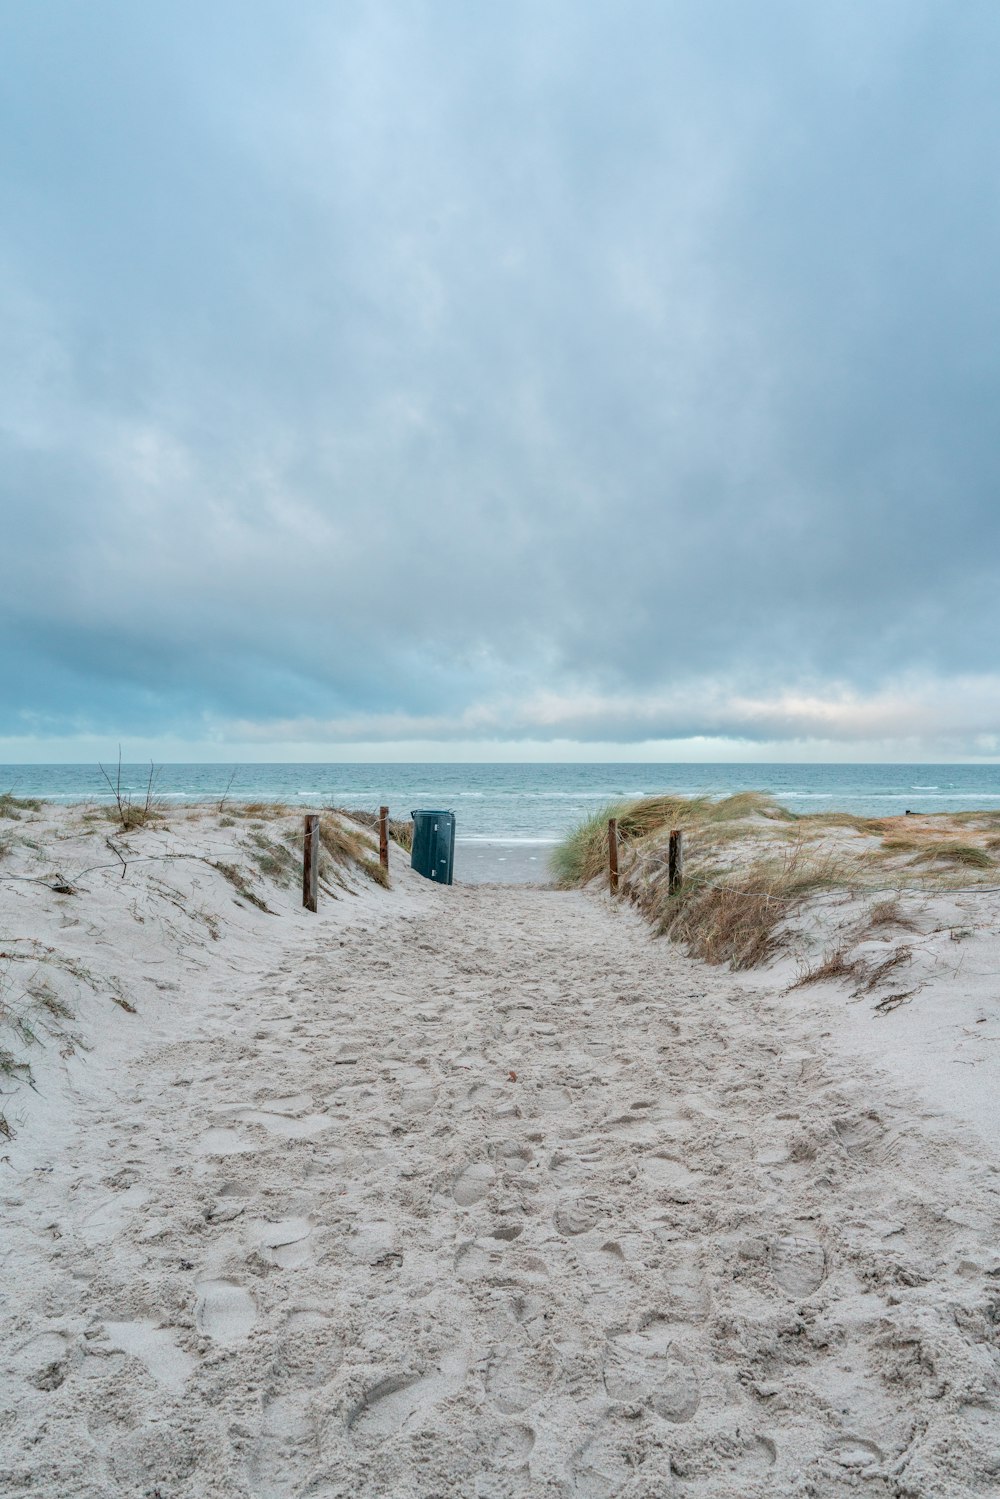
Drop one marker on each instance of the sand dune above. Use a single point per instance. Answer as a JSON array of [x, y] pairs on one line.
[[466, 1192]]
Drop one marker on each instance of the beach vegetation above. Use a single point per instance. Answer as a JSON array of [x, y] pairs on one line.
[[346, 845], [29, 1012], [583, 855], [131, 812], [12, 806], [884, 914], [838, 963], [967, 855], [737, 917], [818, 820], [237, 877], [749, 865], [400, 830], [260, 811], [928, 847], [275, 860]]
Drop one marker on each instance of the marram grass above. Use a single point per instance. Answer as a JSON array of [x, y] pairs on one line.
[[749, 863]]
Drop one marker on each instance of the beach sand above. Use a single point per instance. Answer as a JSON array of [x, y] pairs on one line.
[[477, 1191]]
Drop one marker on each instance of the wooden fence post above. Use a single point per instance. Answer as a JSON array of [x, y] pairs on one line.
[[383, 837], [613, 855], [675, 864], [310, 861]]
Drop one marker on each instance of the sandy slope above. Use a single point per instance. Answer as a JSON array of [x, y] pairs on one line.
[[482, 1192]]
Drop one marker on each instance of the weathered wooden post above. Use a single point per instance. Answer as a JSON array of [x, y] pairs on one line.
[[613, 855], [675, 862], [310, 861], [383, 838]]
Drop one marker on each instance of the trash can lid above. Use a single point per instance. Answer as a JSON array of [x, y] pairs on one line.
[[432, 812]]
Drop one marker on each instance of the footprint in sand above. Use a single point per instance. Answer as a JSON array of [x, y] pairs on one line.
[[290, 1104], [224, 1142], [400, 1401], [641, 1366], [798, 1264], [688, 1298], [855, 1452], [374, 1243], [513, 1446], [419, 1100], [668, 1171], [485, 1095], [310, 1347], [155, 1347], [602, 1466], [229, 1204], [576, 1215], [419, 1094], [283, 1244], [476, 1259], [517, 1379], [512, 1156], [225, 1311], [472, 1183], [285, 1450], [108, 1219], [551, 1100], [288, 1126], [43, 1360]]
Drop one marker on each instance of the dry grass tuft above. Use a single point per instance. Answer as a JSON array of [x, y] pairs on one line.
[[275, 860], [28, 1015], [876, 972], [737, 917], [967, 855], [400, 831], [749, 863], [345, 846], [237, 878], [835, 964], [866, 976], [127, 812], [723, 924], [12, 806], [584, 854], [262, 811], [871, 825], [886, 913], [925, 845]]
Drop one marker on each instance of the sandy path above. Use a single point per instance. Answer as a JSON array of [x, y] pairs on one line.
[[330, 1246]]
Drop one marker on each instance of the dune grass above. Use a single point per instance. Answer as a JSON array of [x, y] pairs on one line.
[[31, 1012], [237, 877], [584, 853], [731, 916], [259, 811], [12, 806], [864, 973], [400, 830], [128, 812], [345, 846], [947, 850], [750, 863]]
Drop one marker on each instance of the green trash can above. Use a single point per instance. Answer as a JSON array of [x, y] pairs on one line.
[[433, 853]]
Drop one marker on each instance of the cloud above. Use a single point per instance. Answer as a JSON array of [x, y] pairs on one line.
[[413, 370]]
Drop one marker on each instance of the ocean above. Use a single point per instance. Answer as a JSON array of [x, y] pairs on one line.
[[509, 816]]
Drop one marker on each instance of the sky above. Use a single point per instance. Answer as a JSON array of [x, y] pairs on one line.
[[469, 381]]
